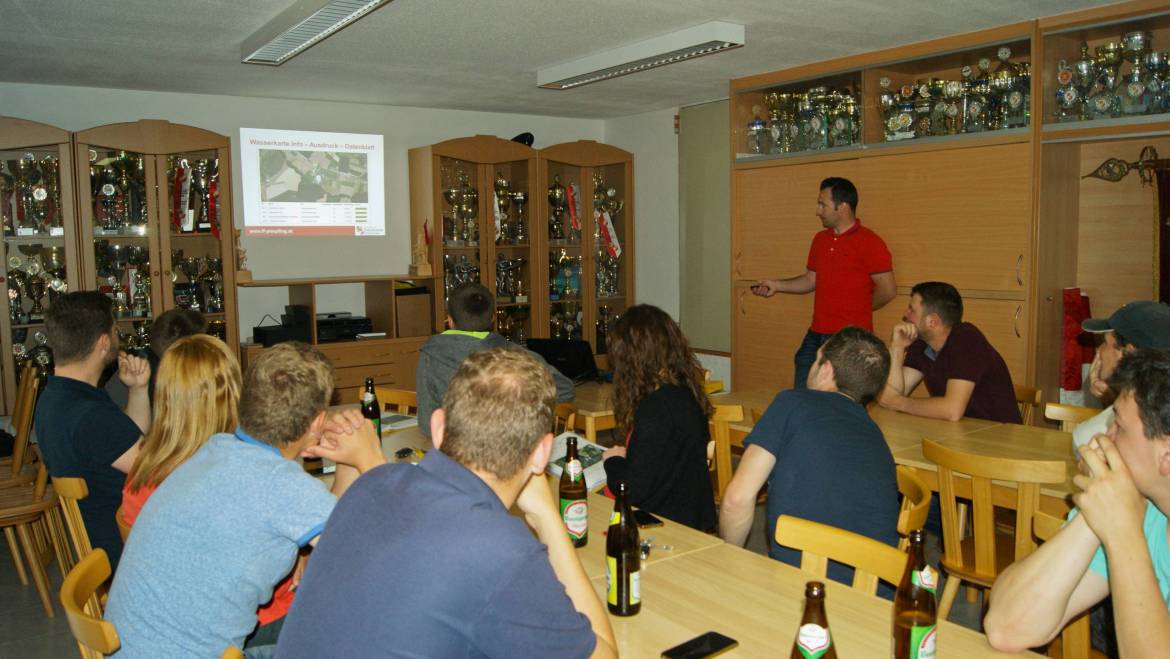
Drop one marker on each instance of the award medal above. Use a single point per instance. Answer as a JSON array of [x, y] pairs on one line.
[[1015, 100], [1064, 77], [1135, 89]]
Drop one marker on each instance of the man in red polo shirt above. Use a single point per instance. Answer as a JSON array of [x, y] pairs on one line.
[[849, 267]]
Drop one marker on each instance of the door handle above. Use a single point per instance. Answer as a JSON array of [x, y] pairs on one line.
[[1019, 272], [738, 256], [1016, 321]]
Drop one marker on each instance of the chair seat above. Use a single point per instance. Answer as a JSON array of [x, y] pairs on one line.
[[27, 475], [1004, 556], [16, 503]]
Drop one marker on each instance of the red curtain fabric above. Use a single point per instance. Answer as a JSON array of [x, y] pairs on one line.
[[1077, 346]]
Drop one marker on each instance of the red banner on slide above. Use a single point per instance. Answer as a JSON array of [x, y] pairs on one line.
[[299, 231]]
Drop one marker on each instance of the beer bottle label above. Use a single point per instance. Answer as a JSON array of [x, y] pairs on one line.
[[634, 592], [575, 470], [925, 578], [922, 642], [367, 397], [615, 519], [813, 641], [575, 513], [377, 426], [635, 587]]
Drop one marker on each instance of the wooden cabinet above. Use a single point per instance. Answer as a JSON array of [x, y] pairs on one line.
[[476, 198], [587, 247], [155, 223], [40, 237], [391, 360], [765, 335]]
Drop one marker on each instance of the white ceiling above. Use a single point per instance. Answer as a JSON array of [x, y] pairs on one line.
[[473, 55]]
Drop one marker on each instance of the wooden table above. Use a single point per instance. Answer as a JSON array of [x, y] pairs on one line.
[[758, 601]]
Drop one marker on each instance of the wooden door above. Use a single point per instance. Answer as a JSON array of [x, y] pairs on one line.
[[765, 335]]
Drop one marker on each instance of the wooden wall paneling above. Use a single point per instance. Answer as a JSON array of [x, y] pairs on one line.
[[962, 216], [1115, 252], [765, 335]]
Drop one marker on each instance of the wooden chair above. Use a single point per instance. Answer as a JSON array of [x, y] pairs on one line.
[[980, 558], [1069, 416], [719, 448], [95, 636], [402, 401], [564, 418], [71, 491], [818, 543], [19, 468], [756, 414], [123, 527], [1028, 398], [232, 653], [21, 510], [915, 504]]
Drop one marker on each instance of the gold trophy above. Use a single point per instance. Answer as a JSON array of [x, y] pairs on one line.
[[557, 199]]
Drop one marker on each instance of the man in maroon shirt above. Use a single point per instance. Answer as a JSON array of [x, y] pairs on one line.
[[963, 372], [849, 267]]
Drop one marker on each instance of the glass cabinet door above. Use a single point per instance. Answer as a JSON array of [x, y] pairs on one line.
[[459, 185], [565, 253], [610, 253], [512, 246]]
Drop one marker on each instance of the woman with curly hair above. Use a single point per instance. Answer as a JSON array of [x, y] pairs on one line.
[[660, 402]]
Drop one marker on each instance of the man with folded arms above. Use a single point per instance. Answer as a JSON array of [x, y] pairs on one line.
[[1142, 324], [227, 525], [426, 561], [963, 372], [1116, 542]]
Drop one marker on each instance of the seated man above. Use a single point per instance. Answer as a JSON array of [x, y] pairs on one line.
[[169, 327], [469, 323], [964, 374], [81, 432], [822, 456], [226, 526], [426, 560], [1136, 325], [1117, 544]]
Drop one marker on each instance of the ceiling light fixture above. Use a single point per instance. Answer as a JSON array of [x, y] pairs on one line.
[[705, 39], [300, 26]]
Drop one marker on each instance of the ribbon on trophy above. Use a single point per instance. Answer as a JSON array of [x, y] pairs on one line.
[[213, 206], [178, 197], [608, 234], [497, 213], [427, 231], [574, 218]]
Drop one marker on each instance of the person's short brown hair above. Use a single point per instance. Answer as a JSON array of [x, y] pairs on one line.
[[285, 388], [498, 407], [861, 362], [471, 307], [173, 325], [74, 323]]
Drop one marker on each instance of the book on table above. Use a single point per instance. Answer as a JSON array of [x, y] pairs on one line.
[[587, 451]]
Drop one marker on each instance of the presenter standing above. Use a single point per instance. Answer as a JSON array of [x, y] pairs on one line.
[[849, 269]]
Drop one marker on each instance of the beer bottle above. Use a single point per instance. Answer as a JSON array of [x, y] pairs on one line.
[[574, 505], [914, 605], [813, 640], [622, 559], [370, 407]]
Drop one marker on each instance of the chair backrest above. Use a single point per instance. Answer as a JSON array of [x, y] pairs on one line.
[[818, 543], [403, 401], [1069, 416], [22, 415], [981, 470], [70, 491], [756, 414], [232, 653], [1028, 398], [915, 504], [564, 418], [123, 527], [95, 636], [720, 446]]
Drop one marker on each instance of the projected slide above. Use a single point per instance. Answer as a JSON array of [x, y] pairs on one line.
[[302, 183]]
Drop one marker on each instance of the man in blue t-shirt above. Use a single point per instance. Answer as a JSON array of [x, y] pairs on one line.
[[821, 455], [426, 561], [1116, 542], [81, 432]]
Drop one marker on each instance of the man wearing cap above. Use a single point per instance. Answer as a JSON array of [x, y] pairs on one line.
[[1141, 324]]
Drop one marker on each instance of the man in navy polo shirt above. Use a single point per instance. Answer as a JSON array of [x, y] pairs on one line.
[[849, 268], [426, 561], [81, 432]]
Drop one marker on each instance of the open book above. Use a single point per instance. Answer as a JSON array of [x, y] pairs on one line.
[[587, 451]]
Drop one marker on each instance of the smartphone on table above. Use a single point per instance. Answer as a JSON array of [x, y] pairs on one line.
[[645, 520], [705, 645]]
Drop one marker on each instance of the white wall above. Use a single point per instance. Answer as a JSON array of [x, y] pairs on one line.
[[651, 138], [77, 108]]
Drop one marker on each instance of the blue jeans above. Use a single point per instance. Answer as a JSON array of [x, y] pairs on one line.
[[806, 356]]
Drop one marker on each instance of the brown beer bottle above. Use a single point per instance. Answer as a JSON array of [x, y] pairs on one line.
[[370, 407], [622, 559], [914, 605], [574, 504], [813, 640]]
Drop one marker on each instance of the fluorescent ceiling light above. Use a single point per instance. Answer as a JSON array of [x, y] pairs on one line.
[[300, 26], [705, 39]]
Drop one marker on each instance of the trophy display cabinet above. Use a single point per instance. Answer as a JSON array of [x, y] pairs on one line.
[[969, 165], [587, 252], [40, 238], [472, 199], [154, 224]]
